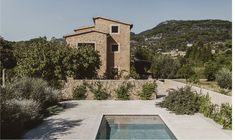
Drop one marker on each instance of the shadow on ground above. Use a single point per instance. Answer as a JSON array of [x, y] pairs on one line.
[[52, 127], [160, 96], [67, 105]]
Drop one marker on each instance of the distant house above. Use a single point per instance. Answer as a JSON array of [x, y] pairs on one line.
[[111, 38]]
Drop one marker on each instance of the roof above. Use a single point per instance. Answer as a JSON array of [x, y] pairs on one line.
[[84, 33], [94, 18], [82, 28]]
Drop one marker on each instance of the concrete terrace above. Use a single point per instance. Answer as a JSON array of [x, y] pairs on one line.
[[81, 120]]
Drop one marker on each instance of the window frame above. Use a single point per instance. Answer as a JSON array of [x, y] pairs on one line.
[[112, 26], [118, 44]]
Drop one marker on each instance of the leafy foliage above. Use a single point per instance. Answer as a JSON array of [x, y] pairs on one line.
[[222, 114], [224, 78], [32, 88], [181, 101], [210, 69], [23, 104], [184, 101], [54, 60], [193, 79], [164, 66], [99, 91], [8, 60], [226, 116], [186, 71], [147, 91], [79, 92], [123, 91], [22, 113]]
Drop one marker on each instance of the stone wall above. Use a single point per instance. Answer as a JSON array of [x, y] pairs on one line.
[[110, 85]]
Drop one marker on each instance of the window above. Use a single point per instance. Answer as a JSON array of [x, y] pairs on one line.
[[115, 29], [86, 45], [115, 48]]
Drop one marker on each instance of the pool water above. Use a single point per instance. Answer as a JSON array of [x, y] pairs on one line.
[[134, 127]]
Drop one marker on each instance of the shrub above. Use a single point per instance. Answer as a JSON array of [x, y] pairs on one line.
[[225, 91], [123, 91], [221, 115], [164, 66], [185, 71], [205, 105], [181, 101], [79, 92], [210, 70], [184, 101], [18, 115], [99, 91], [224, 78], [226, 116], [147, 91], [36, 89], [23, 104], [194, 79]]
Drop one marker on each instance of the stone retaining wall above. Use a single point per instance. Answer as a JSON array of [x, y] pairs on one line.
[[110, 85]]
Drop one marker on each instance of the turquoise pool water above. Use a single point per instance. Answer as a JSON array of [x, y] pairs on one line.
[[134, 127]]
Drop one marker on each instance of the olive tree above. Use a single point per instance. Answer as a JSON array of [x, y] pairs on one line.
[[54, 61]]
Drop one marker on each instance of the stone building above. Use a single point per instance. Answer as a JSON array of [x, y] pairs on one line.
[[111, 38]]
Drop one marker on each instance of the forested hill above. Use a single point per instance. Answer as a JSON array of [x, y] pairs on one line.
[[176, 34]]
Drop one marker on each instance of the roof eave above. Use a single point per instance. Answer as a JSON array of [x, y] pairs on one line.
[[83, 28], [66, 36], [94, 18]]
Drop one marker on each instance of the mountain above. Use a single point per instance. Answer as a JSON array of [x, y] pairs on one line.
[[176, 34]]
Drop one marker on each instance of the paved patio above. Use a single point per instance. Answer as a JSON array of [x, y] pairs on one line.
[[81, 120]]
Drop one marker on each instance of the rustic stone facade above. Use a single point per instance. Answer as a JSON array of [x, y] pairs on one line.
[[103, 38], [109, 85]]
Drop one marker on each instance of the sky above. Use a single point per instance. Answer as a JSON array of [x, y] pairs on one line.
[[26, 19]]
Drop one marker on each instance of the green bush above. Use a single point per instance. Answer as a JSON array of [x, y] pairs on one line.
[[184, 101], [18, 115], [147, 91], [224, 78], [123, 91], [181, 101], [225, 91], [23, 104], [210, 70], [79, 92], [193, 79], [205, 105], [221, 115], [226, 116], [100, 93], [36, 89]]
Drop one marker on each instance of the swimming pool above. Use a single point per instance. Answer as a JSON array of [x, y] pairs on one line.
[[134, 127]]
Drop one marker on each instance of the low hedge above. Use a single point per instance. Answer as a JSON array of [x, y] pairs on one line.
[[185, 101]]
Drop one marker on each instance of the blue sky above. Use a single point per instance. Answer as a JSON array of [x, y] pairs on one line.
[[26, 19]]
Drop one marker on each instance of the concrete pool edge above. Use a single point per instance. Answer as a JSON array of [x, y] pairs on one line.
[[101, 117]]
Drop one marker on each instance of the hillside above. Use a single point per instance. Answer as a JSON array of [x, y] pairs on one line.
[[176, 34]]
